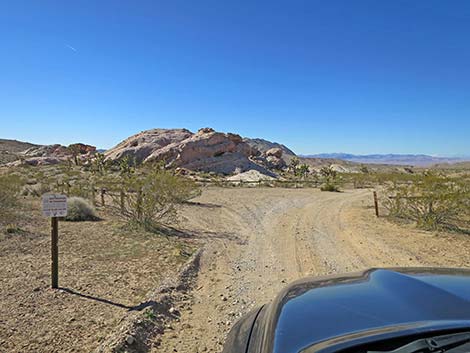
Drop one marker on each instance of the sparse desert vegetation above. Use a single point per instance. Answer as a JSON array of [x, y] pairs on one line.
[[105, 270], [79, 209], [168, 168], [9, 198], [134, 224], [150, 198], [430, 198], [106, 267], [433, 201], [330, 179]]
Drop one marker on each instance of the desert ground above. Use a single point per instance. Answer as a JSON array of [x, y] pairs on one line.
[[254, 240], [105, 272], [270, 237]]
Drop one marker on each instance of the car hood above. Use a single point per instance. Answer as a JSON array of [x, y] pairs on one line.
[[316, 314]]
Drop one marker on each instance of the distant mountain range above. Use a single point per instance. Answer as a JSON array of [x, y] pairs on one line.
[[420, 160]]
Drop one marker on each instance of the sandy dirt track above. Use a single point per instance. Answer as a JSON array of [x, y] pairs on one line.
[[258, 240]]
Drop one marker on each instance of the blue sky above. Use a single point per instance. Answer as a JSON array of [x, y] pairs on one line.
[[320, 76]]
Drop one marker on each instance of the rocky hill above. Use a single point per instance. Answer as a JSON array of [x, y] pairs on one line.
[[14, 146], [140, 146], [206, 150], [265, 145], [47, 154], [10, 149]]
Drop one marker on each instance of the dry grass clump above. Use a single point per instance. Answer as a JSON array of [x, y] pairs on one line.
[[9, 202], [329, 187], [80, 209]]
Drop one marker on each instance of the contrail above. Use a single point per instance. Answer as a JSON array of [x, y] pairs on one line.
[[71, 48]]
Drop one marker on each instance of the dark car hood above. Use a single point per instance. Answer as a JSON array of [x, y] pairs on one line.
[[322, 312]]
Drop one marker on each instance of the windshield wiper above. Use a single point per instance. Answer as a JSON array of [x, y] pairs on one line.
[[435, 343]]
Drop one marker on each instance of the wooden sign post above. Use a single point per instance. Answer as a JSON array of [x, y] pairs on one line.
[[54, 252], [376, 204], [54, 206]]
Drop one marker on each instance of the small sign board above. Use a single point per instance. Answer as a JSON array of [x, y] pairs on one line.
[[54, 205]]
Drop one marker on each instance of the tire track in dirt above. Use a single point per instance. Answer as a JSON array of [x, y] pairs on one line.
[[235, 275], [261, 239]]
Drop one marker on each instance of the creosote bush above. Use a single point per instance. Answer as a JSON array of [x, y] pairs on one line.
[[151, 199], [80, 209], [432, 201]]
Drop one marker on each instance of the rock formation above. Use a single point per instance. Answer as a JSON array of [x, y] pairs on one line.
[[274, 158], [206, 150], [143, 144]]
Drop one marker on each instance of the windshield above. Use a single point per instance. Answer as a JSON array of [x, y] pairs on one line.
[[456, 343]]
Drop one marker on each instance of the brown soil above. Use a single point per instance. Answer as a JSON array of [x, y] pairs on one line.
[[256, 241], [105, 271], [264, 238]]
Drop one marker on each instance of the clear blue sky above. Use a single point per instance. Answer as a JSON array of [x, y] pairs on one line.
[[320, 76]]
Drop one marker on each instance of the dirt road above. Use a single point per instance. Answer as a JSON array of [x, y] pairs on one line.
[[258, 240]]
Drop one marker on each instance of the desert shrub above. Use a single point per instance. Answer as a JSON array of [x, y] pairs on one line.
[[359, 180], [36, 190], [9, 190], [432, 201], [80, 209], [329, 187], [387, 179], [85, 187], [151, 199]]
